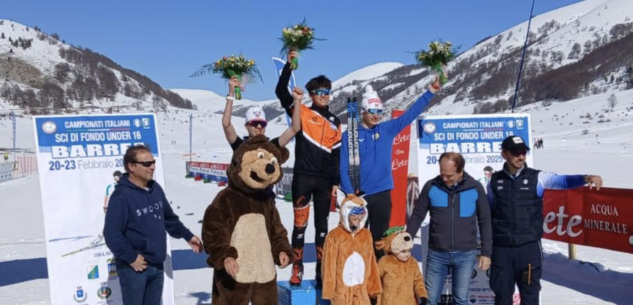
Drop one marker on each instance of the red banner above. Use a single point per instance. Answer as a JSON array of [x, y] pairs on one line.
[[602, 219], [399, 169]]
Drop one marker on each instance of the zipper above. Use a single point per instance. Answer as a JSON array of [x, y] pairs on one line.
[[453, 220], [512, 205]]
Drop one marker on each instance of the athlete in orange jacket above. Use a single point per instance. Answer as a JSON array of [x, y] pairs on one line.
[[317, 156]]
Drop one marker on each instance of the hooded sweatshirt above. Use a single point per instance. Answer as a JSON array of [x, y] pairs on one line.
[[137, 221]]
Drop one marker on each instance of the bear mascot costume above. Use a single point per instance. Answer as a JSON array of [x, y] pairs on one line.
[[242, 231]]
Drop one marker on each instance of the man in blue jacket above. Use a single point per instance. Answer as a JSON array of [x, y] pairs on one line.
[[458, 207], [375, 146], [516, 200], [138, 216]]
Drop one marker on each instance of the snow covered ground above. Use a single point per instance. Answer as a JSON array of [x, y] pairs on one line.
[[606, 278]]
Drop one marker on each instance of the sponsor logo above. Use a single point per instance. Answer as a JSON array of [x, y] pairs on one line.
[[137, 123], [49, 127], [112, 268], [429, 127], [104, 292], [510, 124], [145, 123], [314, 120], [80, 295], [474, 274], [93, 272], [519, 124]]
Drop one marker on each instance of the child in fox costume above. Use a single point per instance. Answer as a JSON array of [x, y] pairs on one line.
[[350, 271], [402, 281]]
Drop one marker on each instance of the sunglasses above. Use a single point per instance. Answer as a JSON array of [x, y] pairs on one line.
[[321, 92], [374, 111], [145, 163], [518, 153], [256, 124]]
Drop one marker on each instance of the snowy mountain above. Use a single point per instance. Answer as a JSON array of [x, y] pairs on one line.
[[575, 51], [40, 73], [578, 50]]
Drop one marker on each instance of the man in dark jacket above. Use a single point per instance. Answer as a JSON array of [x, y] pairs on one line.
[[138, 216], [458, 205], [516, 200]]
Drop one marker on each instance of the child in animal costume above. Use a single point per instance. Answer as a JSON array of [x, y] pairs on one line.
[[350, 271], [402, 281], [242, 231]]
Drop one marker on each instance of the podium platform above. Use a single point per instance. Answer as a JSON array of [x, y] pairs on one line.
[[306, 294]]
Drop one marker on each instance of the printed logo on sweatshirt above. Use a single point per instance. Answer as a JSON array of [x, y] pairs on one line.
[[150, 209]]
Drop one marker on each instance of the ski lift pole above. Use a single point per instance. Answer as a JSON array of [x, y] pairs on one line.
[[14, 133], [527, 38], [190, 136]]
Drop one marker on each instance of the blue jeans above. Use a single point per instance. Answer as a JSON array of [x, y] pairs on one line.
[[140, 288], [461, 266]]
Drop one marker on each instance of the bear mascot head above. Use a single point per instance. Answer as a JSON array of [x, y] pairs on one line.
[[256, 165]]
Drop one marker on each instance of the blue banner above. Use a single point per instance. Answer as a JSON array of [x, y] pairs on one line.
[[470, 135], [279, 66], [94, 136]]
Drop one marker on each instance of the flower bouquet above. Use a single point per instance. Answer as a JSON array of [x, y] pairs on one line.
[[232, 66], [297, 38], [439, 53]]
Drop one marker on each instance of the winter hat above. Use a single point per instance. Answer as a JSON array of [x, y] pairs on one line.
[[255, 114], [371, 99]]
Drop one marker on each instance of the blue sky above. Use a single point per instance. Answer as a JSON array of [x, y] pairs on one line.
[[168, 40]]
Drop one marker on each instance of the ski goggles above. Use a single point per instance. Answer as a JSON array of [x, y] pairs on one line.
[[145, 163], [257, 124], [321, 92], [357, 211], [374, 111]]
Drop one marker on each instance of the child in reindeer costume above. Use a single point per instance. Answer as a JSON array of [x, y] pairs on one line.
[[350, 271], [242, 231], [402, 281]]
